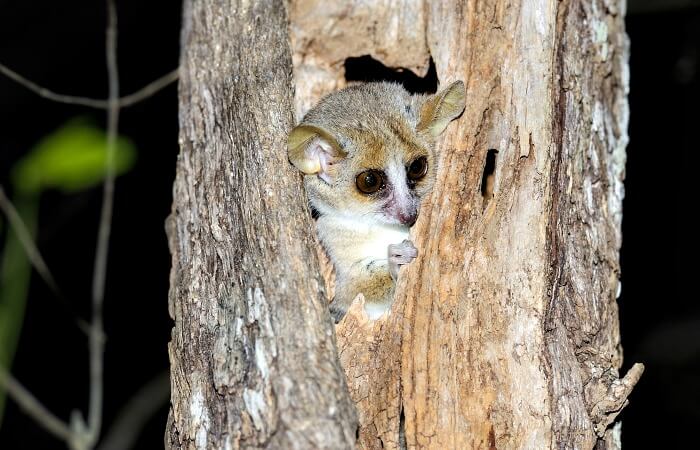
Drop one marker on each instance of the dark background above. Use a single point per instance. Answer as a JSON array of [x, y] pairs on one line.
[[60, 45]]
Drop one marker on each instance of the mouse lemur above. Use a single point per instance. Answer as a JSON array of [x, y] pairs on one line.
[[368, 155]]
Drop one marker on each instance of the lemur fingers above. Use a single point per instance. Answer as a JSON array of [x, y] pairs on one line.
[[400, 254]]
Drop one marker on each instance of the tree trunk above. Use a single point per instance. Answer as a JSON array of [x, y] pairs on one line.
[[504, 333], [253, 358]]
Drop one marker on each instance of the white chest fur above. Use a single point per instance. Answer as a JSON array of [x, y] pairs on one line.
[[379, 239], [350, 240]]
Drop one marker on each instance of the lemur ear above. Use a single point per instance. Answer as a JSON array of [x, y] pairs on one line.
[[312, 150], [442, 108]]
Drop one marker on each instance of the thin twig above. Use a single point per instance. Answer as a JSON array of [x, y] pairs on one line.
[[30, 405], [34, 255], [136, 412], [43, 92], [128, 100], [27, 242], [150, 89], [96, 341]]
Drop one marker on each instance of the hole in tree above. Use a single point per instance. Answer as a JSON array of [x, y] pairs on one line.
[[365, 68], [402, 430], [488, 177]]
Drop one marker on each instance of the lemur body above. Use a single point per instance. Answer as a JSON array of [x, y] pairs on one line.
[[359, 251], [368, 155]]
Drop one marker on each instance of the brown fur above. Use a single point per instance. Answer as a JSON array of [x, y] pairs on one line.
[[376, 126]]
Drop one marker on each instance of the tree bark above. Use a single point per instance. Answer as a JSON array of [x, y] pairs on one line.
[[504, 333], [253, 358]]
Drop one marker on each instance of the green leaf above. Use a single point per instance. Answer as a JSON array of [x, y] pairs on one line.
[[72, 158], [15, 273]]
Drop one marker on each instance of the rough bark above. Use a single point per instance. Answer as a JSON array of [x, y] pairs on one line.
[[253, 359], [505, 331]]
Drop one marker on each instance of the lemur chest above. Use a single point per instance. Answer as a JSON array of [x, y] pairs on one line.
[[378, 240], [349, 241]]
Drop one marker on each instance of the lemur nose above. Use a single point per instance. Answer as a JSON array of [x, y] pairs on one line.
[[408, 218]]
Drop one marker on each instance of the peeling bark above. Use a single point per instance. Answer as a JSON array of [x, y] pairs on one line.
[[505, 331], [253, 359]]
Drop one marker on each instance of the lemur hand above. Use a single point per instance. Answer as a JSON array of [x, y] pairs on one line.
[[400, 254]]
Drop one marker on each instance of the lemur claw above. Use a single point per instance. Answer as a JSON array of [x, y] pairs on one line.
[[400, 254]]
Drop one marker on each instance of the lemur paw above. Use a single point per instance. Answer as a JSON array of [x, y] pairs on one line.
[[400, 254]]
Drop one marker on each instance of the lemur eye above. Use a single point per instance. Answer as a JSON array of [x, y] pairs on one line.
[[417, 169], [369, 181]]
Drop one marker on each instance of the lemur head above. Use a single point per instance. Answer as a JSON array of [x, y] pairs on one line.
[[368, 150]]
